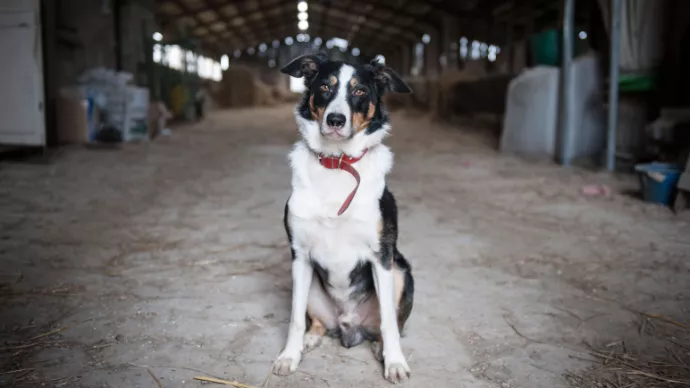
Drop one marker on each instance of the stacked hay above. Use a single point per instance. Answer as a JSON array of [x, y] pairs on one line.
[[264, 94], [241, 87], [443, 93], [237, 88]]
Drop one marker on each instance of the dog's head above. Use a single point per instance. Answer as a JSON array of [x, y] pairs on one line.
[[342, 109]]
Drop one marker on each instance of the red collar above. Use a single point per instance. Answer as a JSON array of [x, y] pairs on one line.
[[343, 162]]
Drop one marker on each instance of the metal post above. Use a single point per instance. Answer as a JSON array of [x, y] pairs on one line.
[[613, 83], [566, 132], [510, 46]]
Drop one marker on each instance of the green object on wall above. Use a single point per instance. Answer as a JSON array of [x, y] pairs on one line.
[[547, 47], [636, 83]]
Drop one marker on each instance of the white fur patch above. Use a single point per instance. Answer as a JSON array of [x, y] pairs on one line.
[[339, 103], [337, 243]]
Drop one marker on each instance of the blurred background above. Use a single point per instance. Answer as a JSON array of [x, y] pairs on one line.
[[541, 176]]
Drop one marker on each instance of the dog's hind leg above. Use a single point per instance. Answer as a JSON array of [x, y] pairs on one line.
[[403, 285], [323, 315]]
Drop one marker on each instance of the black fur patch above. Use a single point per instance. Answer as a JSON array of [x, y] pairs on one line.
[[356, 335], [362, 281], [389, 232], [407, 299], [321, 98], [322, 273], [390, 255], [286, 224]]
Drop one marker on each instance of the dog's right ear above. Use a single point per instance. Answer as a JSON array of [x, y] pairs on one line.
[[306, 66]]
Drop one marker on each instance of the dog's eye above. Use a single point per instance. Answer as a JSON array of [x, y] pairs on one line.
[[359, 92], [325, 88]]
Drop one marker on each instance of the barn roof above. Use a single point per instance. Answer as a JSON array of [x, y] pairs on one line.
[[371, 25]]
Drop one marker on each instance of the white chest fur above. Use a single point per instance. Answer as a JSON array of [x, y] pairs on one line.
[[337, 243]]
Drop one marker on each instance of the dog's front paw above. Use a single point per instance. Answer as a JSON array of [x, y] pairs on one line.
[[311, 341], [397, 371], [286, 364]]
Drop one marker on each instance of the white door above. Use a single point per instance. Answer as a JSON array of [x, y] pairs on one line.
[[22, 119]]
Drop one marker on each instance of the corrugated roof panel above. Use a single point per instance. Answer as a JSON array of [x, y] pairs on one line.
[[229, 10], [218, 26], [170, 8], [207, 16]]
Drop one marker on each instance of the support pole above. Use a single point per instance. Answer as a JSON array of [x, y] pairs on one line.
[[510, 45], [614, 73], [566, 132]]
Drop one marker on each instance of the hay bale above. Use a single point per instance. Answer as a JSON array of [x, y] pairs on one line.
[[244, 86], [443, 89], [263, 94], [238, 88]]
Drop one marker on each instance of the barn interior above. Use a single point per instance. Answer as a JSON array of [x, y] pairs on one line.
[[541, 173]]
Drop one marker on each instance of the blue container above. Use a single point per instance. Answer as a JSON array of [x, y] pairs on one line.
[[658, 181]]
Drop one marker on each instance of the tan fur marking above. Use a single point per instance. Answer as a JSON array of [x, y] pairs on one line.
[[398, 284], [360, 121], [316, 113], [317, 328], [333, 80], [354, 82]]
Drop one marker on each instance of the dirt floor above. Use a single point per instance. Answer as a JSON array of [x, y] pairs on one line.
[[171, 256]]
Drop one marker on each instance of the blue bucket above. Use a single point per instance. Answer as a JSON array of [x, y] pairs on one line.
[[658, 181]]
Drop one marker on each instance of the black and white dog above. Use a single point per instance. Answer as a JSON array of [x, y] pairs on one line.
[[348, 277]]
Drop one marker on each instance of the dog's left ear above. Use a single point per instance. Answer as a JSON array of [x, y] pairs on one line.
[[306, 66], [387, 79]]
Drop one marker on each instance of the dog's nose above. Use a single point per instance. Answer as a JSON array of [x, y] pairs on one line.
[[336, 120]]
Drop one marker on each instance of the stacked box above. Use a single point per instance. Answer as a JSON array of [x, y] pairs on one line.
[[123, 106]]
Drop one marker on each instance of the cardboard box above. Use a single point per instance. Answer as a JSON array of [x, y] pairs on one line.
[[136, 122], [77, 117]]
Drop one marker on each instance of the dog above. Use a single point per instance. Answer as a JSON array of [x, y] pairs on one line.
[[349, 279]]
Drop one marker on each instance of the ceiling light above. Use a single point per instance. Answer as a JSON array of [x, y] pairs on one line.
[[224, 62], [262, 47], [355, 52], [302, 16], [426, 38], [582, 35], [251, 51], [157, 36], [302, 6], [300, 37], [329, 44], [307, 37], [318, 41], [340, 42], [303, 25], [289, 40]]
